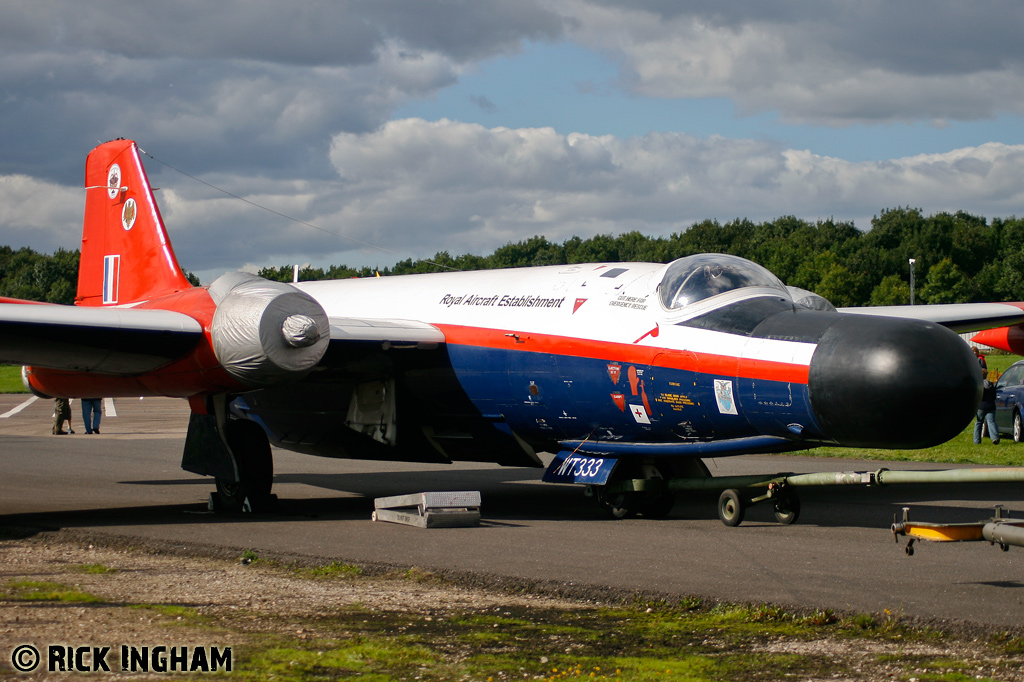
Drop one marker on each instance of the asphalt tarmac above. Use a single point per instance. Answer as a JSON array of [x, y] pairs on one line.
[[126, 481]]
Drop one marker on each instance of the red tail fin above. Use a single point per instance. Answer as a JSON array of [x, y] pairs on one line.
[[126, 256]]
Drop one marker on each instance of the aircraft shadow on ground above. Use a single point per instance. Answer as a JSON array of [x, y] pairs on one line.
[[516, 496]]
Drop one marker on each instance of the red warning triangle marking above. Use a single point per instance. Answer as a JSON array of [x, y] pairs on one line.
[[578, 303]]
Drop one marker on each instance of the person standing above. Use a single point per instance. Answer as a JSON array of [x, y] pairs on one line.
[[986, 411], [61, 414], [91, 413]]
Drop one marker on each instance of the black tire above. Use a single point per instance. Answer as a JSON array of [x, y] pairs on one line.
[[787, 509], [623, 504], [657, 504], [255, 462], [731, 508], [1018, 428], [651, 504], [620, 505]]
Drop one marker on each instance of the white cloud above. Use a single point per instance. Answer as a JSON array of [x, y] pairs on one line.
[[234, 84], [41, 215], [289, 106], [828, 63], [444, 185], [415, 187]]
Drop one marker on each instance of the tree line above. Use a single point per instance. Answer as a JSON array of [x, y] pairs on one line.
[[959, 258], [34, 276]]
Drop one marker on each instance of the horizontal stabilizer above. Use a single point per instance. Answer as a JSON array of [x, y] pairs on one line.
[[107, 340]]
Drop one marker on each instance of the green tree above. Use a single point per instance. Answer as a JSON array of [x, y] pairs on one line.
[[945, 284], [839, 286], [891, 291]]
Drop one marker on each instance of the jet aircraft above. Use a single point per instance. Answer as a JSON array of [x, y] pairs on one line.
[[628, 371]]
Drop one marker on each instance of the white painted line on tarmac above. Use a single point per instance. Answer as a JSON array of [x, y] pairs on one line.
[[108, 407], [19, 408]]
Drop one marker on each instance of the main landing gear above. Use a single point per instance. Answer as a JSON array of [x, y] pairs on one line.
[[640, 490], [643, 488], [255, 464]]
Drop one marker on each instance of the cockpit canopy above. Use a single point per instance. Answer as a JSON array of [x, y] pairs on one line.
[[703, 275]]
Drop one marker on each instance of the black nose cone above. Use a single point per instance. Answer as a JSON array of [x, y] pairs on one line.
[[892, 383]]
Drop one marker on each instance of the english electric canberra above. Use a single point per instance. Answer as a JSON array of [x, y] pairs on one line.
[[629, 373]]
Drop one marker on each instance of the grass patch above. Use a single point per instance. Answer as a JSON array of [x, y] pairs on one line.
[[179, 615], [734, 642], [368, 658], [35, 590], [637, 641], [10, 379], [959, 450], [173, 610], [336, 569]]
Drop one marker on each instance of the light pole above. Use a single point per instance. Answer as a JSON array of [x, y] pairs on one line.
[[912, 260]]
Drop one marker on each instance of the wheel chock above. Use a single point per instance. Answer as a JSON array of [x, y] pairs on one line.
[[256, 504], [459, 509], [251, 504]]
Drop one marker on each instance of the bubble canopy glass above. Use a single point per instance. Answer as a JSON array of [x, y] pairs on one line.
[[703, 275]]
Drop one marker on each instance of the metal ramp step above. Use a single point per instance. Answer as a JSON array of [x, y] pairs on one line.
[[453, 509]]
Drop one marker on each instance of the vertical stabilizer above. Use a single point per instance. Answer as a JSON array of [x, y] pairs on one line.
[[126, 256]]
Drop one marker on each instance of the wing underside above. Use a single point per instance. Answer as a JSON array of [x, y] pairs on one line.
[[119, 341]]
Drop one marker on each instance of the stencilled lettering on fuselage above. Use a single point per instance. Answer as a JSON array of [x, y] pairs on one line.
[[501, 301], [631, 302], [676, 401]]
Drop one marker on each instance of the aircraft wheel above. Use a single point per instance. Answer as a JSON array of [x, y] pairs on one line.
[[620, 505], [255, 465], [787, 509], [1018, 428], [730, 508], [651, 504], [656, 504]]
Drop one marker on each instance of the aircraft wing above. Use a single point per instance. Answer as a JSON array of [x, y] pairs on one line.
[[958, 317], [392, 332], [91, 339]]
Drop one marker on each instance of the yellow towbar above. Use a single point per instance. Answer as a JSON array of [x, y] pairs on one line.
[[999, 530]]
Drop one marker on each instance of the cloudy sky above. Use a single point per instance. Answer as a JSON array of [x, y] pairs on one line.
[[419, 126]]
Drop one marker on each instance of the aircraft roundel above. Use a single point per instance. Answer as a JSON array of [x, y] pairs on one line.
[[114, 181], [128, 214]]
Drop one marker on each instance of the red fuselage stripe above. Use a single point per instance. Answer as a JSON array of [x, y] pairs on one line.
[[705, 363]]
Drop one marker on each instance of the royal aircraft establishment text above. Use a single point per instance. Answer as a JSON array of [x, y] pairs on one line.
[[503, 301]]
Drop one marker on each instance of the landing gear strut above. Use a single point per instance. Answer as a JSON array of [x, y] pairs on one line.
[[642, 488], [622, 501], [255, 464]]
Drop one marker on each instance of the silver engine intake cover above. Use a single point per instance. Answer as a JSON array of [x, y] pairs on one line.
[[266, 333]]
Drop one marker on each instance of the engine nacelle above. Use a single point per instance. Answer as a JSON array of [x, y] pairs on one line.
[[266, 333]]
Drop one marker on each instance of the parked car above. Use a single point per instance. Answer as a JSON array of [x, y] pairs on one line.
[[1010, 402]]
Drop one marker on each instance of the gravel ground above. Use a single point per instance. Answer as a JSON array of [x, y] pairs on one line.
[[139, 588]]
